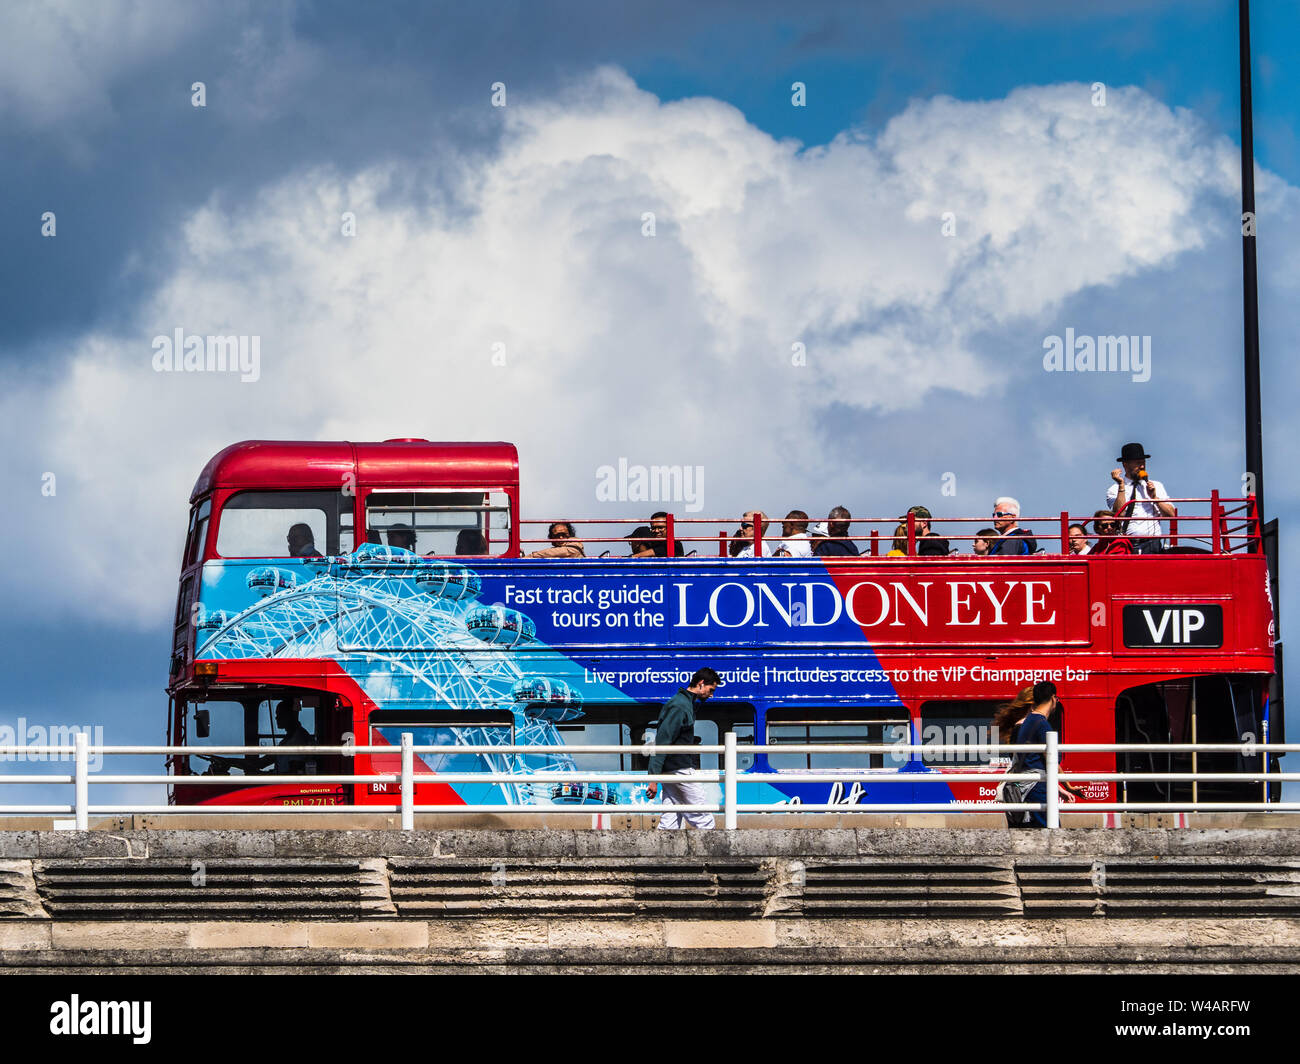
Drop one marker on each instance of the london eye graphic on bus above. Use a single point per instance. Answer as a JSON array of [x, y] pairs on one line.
[[412, 631]]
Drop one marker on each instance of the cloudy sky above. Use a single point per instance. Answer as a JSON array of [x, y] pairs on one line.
[[953, 191]]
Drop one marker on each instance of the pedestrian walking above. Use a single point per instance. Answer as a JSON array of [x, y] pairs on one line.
[[677, 728]]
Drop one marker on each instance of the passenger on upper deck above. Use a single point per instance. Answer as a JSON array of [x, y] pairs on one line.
[[929, 544], [563, 542], [470, 541], [401, 535], [1110, 540], [1143, 499], [982, 544], [747, 534], [837, 527], [1079, 539], [639, 542], [795, 541], [659, 524], [1012, 539], [898, 546], [301, 542]]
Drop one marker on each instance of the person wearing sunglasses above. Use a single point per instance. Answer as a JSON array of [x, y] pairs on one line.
[[659, 525], [1012, 539], [746, 535], [563, 543], [1110, 537]]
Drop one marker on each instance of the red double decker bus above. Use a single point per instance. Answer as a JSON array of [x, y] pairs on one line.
[[337, 593]]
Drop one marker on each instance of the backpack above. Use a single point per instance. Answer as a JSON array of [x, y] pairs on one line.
[[1026, 544], [1015, 792]]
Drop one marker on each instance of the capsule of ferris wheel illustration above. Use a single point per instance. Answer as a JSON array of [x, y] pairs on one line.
[[547, 698], [447, 580], [582, 793], [268, 580], [380, 558], [500, 626], [211, 620]]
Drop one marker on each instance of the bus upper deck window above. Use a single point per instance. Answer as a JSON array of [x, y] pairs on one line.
[[440, 523], [285, 524]]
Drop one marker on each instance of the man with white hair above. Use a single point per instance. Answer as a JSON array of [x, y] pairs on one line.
[[1012, 539]]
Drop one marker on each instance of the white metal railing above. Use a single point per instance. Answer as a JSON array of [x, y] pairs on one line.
[[729, 776]]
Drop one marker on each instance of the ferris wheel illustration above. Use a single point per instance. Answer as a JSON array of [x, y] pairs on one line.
[[412, 631]]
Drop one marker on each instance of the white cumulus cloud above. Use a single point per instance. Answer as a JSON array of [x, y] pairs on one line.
[[673, 348]]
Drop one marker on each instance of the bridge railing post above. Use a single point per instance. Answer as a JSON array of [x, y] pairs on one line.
[[729, 781], [408, 782], [1053, 760], [81, 775], [1264, 759]]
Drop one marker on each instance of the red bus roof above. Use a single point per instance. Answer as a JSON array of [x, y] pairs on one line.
[[304, 464]]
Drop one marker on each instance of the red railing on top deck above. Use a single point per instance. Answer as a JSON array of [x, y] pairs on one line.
[[1231, 526]]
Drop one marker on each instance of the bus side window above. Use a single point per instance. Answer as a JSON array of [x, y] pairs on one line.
[[834, 726], [634, 727], [198, 532], [711, 726], [958, 722]]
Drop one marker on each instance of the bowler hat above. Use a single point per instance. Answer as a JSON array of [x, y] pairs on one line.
[[1131, 452]]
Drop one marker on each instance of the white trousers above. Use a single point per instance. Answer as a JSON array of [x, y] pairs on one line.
[[685, 793]]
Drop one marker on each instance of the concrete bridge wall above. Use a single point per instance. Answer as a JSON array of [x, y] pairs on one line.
[[905, 900]]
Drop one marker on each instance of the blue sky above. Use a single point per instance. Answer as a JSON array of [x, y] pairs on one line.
[[775, 224]]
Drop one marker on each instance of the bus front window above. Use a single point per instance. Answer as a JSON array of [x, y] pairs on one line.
[[279, 524], [286, 721]]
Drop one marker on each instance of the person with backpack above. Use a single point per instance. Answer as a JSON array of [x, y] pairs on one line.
[[1012, 539], [677, 728]]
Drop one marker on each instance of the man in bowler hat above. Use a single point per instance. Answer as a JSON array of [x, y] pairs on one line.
[[1139, 500]]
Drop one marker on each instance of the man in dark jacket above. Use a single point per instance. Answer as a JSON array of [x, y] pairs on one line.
[[928, 544], [1012, 539], [677, 728], [836, 545]]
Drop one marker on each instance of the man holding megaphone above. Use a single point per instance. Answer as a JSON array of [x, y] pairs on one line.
[[1139, 499]]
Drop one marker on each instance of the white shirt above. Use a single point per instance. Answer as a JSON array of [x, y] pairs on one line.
[[1141, 522], [797, 546], [748, 552]]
